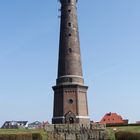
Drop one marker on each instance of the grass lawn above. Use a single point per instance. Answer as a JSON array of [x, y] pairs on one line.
[[112, 130], [24, 131]]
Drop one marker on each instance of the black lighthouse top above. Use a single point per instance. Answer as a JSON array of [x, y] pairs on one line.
[[69, 65], [68, 1]]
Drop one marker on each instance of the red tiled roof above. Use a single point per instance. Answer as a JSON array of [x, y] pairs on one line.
[[112, 118]]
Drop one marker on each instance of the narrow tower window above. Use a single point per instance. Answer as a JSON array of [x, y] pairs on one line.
[[70, 50], [69, 24], [69, 34], [69, 1], [69, 10]]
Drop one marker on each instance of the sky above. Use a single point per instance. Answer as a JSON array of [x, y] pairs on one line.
[[110, 51]]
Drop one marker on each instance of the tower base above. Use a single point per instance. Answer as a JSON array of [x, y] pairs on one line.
[[70, 104]]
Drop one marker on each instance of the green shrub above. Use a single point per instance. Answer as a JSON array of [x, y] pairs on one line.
[[36, 136], [15, 137], [24, 136], [121, 135]]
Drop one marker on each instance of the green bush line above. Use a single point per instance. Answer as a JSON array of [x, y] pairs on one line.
[[114, 130], [112, 125], [122, 135], [21, 136]]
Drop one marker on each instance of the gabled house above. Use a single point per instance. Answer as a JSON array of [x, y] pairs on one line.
[[113, 118], [35, 125], [15, 124], [38, 125]]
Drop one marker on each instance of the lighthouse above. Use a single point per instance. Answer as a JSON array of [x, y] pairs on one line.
[[70, 104]]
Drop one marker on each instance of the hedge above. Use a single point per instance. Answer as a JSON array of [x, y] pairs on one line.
[[24, 136], [127, 136]]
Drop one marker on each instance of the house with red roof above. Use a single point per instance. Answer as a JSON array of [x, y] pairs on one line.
[[113, 118]]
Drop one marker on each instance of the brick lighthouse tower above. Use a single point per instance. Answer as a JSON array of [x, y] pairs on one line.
[[70, 93]]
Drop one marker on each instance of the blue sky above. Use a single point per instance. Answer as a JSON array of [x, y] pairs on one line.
[[110, 48]]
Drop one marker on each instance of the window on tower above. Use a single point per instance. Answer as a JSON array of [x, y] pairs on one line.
[[69, 1], [69, 34], [69, 24], [69, 10], [70, 50], [70, 101]]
